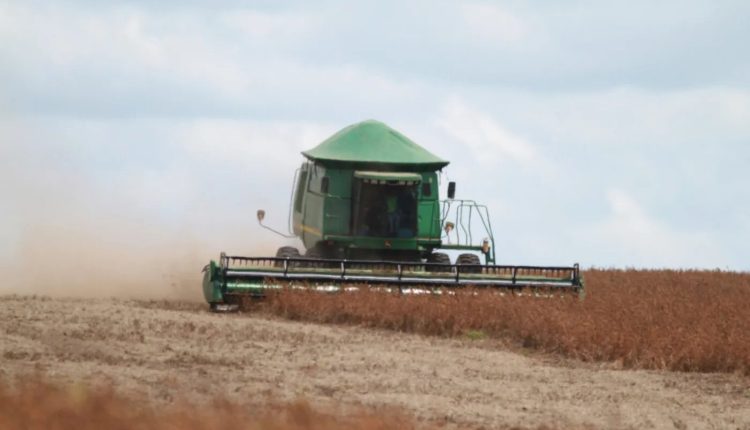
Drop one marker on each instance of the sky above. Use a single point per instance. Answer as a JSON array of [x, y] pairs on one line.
[[613, 134]]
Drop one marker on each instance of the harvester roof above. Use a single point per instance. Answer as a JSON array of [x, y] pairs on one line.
[[372, 142]]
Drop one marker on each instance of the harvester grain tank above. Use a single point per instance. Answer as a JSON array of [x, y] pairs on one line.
[[366, 208]]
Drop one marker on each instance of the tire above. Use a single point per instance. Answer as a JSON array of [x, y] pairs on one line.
[[320, 253], [286, 252], [313, 252], [469, 263], [438, 258]]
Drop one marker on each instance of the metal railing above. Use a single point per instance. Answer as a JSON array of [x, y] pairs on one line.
[[464, 213], [398, 272]]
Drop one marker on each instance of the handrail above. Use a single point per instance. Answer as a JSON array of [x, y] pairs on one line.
[[463, 211], [290, 222], [226, 259]]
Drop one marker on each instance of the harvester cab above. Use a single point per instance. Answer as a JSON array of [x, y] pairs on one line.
[[366, 207]]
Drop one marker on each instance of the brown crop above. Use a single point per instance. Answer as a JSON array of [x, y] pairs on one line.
[[656, 319], [37, 405]]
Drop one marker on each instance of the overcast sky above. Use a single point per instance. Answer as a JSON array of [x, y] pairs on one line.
[[607, 133]]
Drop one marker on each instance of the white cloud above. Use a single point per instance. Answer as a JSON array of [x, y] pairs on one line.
[[129, 61], [287, 26], [490, 24], [274, 145], [119, 47], [486, 138], [622, 116], [640, 239]]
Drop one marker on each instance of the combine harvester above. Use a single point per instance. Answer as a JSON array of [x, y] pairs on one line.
[[365, 205]]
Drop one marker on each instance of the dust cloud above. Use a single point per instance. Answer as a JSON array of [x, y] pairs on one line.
[[88, 232], [115, 258], [90, 262]]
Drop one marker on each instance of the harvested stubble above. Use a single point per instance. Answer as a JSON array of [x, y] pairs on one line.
[[657, 319], [37, 405]]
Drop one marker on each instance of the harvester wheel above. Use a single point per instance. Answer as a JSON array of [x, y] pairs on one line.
[[313, 252], [286, 252], [470, 263], [438, 258], [319, 253]]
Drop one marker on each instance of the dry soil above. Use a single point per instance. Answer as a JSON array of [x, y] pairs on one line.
[[169, 351]]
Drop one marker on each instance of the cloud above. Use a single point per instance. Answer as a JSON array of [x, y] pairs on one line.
[[130, 61], [271, 145], [284, 27], [483, 136], [490, 24], [643, 240]]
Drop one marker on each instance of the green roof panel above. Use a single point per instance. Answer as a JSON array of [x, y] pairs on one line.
[[373, 142]]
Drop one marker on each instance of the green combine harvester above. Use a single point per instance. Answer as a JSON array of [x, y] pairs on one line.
[[366, 208]]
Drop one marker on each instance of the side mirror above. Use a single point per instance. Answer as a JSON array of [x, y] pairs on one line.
[[451, 190], [262, 214]]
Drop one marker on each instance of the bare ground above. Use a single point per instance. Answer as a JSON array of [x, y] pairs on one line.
[[169, 351]]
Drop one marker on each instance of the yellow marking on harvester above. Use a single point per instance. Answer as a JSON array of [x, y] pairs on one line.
[[311, 230]]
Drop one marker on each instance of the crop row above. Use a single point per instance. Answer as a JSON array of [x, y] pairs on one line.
[[657, 319]]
